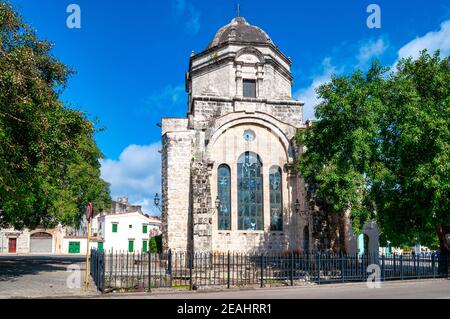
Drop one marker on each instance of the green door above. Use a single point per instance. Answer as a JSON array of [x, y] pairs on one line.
[[100, 246], [131, 246], [74, 247], [144, 245]]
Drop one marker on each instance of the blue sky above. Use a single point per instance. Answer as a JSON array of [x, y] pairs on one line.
[[131, 58]]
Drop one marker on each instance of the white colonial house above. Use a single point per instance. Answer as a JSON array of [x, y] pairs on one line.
[[125, 227], [129, 231]]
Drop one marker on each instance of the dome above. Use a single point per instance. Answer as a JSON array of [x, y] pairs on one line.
[[240, 30]]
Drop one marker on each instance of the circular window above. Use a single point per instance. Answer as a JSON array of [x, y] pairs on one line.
[[249, 135]]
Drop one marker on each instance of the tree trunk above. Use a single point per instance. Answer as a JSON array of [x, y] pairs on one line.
[[444, 247], [344, 231]]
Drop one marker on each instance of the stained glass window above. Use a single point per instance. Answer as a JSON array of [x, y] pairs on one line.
[[250, 193], [224, 193], [276, 206]]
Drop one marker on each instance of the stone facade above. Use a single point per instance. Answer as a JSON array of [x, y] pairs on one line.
[[23, 240], [220, 113]]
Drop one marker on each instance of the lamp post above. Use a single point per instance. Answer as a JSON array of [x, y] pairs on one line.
[[156, 202], [297, 216], [89, 215]]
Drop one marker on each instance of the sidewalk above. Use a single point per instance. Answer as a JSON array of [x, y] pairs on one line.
[[410, 289]]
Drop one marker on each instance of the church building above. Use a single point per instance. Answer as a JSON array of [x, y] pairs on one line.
[[228, 177]]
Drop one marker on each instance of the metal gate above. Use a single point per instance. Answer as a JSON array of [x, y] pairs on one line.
[[41, 243]]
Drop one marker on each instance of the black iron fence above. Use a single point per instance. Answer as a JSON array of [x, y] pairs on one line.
[[143, 271]]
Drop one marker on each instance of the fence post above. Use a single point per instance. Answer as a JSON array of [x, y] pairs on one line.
[[262, 271], [318, 267], [448, 260], [433, 265], [98, 271], [228, 270], [416, 260], [383, 275], [342, 268], [103, 270], [149, 271], [190, 269], [401, 266], [169, 257], [292, 268]]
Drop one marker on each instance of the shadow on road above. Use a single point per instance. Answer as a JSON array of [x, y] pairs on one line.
[[12, 267]]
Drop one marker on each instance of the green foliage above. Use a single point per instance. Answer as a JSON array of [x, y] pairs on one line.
[[49, 166], [156, 244], [381, 148]]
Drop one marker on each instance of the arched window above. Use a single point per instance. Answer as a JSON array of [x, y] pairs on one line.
[[250, 193], [224, 194], [276, 202]]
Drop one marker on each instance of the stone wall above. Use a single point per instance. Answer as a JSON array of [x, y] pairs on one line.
[[206, 110], [201, 207], [177, 154]]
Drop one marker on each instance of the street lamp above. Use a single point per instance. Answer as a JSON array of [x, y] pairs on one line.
[[156, 201]]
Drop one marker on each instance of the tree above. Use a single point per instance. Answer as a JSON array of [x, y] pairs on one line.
[[156, 244], [49, 162], [380, 148], [413, 189], [339, 147]]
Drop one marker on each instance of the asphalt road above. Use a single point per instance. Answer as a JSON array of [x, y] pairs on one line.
[[42, 276]]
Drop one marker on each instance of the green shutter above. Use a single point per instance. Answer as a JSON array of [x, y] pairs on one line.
[[144, 245], [74, 247], [130, 246], [144, 229], [114, 228], [100, 246]]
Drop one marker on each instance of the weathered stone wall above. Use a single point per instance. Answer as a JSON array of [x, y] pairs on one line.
[[250, 241], [177, 154], [326, 231], [22, 237], [201, 207], [207, 109], [221, 71]]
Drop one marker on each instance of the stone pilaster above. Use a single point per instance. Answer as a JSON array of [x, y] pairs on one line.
[[201, 207]]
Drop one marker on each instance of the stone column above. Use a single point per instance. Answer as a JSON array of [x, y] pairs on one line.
[[259, 80], [239, 82], [201, 207]]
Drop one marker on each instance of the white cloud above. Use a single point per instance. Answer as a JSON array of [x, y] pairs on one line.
[[191, 16], [367, 50], [136, 175], [432, 41], [308, 94], [370, 50]]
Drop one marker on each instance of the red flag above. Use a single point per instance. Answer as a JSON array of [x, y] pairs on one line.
[[89, 210]]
